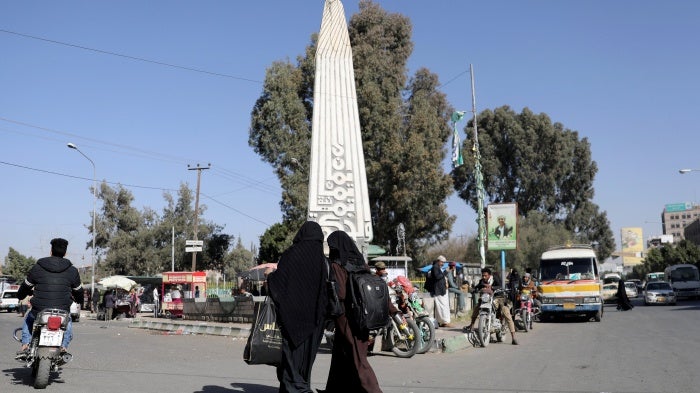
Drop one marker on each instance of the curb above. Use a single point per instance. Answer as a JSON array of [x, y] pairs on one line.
[[455, 343], [447, 344], [191, 328]]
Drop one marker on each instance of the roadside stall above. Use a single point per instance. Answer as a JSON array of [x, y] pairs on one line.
[[122, 287], [181, 285]]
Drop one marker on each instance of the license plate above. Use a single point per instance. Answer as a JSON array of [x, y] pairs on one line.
[[660, 299], [51, 338], [569, 306]]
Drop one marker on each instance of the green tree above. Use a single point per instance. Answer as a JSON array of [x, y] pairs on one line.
[[404, 127], [17, 265], [216, 250], [273, 243], [542, 166], [239, 259], [657, 259]]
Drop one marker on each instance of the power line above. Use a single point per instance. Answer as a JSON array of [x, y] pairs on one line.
[[227, 174], [130, 57], [131, 186]]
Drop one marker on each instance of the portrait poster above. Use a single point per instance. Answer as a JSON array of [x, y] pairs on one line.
[[502, 226]]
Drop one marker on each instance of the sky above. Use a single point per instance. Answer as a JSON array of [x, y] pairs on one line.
[[145, 89]]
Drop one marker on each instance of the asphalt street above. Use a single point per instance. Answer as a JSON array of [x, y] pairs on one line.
[[647, 349]]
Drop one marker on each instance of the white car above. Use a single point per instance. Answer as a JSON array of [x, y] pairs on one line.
[[631, 289], [9, 301], [75, 312], [659, 292]]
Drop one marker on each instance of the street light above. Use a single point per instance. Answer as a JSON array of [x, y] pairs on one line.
[[686, 170], [94, 215]]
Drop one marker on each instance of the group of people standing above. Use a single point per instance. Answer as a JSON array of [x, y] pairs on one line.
[[298, 289]]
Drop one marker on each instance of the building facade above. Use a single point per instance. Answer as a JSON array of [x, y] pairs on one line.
[[676, 217]]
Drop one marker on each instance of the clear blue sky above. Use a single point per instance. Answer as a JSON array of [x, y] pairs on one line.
[[624, 74]]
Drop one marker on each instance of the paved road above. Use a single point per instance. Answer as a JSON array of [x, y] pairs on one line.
[[648, 349]]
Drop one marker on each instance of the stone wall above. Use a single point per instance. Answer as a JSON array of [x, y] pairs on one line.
[[227, 309]]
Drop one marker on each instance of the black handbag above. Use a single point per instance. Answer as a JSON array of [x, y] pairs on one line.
[[264, 344], [334, 309]]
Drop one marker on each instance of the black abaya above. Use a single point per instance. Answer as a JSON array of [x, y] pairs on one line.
[[623, 302]]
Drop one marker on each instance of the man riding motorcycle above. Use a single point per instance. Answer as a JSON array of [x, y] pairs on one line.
[[529, 284], [488, 283], [55, 283]]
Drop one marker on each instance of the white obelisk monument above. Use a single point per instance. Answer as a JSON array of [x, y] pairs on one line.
[[338, 198]]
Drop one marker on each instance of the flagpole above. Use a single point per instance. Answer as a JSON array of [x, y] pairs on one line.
[[479, 179]]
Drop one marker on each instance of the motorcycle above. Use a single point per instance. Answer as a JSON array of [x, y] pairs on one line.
[[400, 335], [44, 354], [410, 304], [527, 311], [489, 322]]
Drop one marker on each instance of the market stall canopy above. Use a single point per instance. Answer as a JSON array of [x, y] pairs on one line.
[[264, 266], [118, 282], [257, 273], [427, 268]]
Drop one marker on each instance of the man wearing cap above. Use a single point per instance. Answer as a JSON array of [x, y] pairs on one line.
[[439, 293], [453, 287], [380, 270]]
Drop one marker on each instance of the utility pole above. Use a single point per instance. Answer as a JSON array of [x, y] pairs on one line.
[[479, 178], [196, 209]]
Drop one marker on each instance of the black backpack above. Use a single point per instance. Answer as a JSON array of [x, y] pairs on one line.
[[369, 301]]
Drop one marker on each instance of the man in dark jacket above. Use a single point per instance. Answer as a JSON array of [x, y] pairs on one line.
[[55, 283]]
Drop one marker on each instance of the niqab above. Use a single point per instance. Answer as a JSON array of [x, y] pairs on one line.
[[297, 284], [342, 249]]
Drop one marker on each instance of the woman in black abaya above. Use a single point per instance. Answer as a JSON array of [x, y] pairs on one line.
[[623, 302], [350, 371], [298, 289]]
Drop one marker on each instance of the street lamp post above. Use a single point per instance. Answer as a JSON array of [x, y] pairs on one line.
[[94, 214], [686, 170]]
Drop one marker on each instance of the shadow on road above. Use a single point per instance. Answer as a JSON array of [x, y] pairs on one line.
[[239, 387], [23, 376]]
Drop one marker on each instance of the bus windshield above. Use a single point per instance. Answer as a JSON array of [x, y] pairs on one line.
[[568, 269], [684, 273], [659, 276]]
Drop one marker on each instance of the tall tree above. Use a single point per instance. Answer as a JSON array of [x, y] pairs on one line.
[[239, 259], [657, 259], [542, 166], [17, 265], [404, 126]]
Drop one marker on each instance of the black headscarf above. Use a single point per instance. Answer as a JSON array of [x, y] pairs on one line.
[[297, 286], [342, 249]]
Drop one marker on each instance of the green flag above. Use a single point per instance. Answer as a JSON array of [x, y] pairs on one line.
[[457, 158]]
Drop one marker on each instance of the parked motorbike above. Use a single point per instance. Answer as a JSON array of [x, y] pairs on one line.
[[44, 354], [410, 305], [489, 322], [401, 336], [398, 336]]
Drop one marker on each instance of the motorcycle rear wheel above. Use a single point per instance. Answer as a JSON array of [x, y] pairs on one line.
[[484, 332], [405, 344], [43, 369], [427, 333]]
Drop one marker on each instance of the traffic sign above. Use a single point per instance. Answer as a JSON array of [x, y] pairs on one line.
[[194, 243], [193, 249]]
